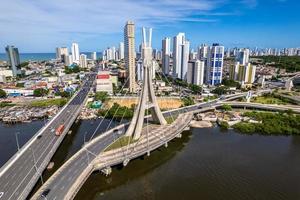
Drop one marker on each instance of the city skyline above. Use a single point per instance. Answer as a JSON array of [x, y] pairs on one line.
[[245, 23]]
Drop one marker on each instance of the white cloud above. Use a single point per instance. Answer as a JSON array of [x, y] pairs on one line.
[[45, 21]]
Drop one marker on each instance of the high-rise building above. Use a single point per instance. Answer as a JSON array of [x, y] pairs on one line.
[[166, 52], [180, 56], [83, 61], [233, 71], [75, 53], [13, 59], [94, 56], [121, 50], [215, 65], [129, 53], [243, 56], [195, 73], [60, 52], [68, 59], [246, 74]]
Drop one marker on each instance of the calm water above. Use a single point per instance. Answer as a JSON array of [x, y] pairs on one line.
[[39, 56], [203, 164]]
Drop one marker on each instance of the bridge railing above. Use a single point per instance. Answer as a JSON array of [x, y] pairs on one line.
[[5, 167]]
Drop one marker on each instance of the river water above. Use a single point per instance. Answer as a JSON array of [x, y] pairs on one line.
[[203, 164]]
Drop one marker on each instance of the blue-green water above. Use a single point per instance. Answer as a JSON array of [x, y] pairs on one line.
[[40, 56]]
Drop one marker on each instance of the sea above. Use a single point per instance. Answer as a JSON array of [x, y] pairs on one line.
[[40, 56]]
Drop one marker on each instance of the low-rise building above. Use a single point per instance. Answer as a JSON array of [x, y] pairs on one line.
[[104, 82]]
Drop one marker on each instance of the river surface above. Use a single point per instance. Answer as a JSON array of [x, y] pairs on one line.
[[203, 164]]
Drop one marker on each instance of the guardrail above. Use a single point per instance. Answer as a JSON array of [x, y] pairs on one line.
[[6, 166]]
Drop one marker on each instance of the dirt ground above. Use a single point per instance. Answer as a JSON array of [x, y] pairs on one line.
[[164, 103]]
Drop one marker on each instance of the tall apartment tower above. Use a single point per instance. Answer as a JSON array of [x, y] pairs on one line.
[[166, 52], [75, 53], [83, 61], [60, 52], [243, 56], [129, 54], [195, 73], [121, 50], [13, 59], [180, 56], [215, 65]]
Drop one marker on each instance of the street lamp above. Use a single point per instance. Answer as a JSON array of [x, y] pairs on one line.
[[17, 140]]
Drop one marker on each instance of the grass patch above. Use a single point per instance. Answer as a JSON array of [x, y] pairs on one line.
[[121, 142], [268, 100], [49, 102], [170, 119], [4, 104]]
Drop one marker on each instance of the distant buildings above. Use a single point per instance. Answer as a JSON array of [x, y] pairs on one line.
[[61, 52], [180, 56], [195, 73], [13, 59], [75, 53], [129, 53], [215, 65], [94, 56], [121, 50], [166, 53], [83, 61]]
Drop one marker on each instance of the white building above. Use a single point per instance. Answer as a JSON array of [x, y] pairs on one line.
[[121, 50], [195, 73], [243, 56], [94, 56], [166, 53], [75, 53], [60, 52], [83, 61], [104, 82], [180, 56]]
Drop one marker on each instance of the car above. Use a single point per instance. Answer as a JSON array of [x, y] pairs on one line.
[[117, 131], [45, 193], [39, 136]]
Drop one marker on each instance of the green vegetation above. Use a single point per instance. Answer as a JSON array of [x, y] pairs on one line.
[[20, 85], [224, 125], [101, 96], [171, 119], [2, 93], [71, 70], [24, 64], [121, 142], [220, 90], [6, 104], [226, 107], [49, 102], [65, 94], [118, 112], [230, 83], [290, 63], [39, 92], [272, 99], [196, 89], [187, 101], [208, 98], [272, 123]]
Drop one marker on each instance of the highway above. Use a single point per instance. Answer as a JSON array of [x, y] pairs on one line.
[[20, 174]]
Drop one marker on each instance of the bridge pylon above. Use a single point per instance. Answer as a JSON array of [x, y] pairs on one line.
[[147, 99]]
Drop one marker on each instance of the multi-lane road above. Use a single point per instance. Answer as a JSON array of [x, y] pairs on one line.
[[19, 175]]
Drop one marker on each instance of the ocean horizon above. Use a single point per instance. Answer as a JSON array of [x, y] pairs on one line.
[[40, 56]]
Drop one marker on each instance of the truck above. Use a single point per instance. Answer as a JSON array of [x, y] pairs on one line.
[[60, 130]]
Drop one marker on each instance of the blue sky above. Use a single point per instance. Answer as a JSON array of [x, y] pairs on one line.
[[42, 25]]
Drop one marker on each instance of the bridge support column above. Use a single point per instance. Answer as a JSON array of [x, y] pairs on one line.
[[106, 171], [166, 144], [148, 153]]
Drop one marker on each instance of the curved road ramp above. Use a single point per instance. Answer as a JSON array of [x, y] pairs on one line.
[[66, 182]]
